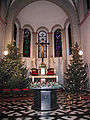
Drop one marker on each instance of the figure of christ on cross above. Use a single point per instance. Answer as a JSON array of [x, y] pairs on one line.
[[42, 44]]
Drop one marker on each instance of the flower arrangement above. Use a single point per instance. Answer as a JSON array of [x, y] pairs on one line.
[[50, 71], [34, 71], [49, 84]]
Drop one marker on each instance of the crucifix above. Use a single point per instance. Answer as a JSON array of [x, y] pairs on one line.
[[42, 44]]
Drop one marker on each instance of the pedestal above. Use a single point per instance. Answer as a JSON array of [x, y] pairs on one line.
[[45, 99]]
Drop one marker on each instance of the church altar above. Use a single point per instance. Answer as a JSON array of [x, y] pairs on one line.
[[45, 97], [44, 90], [44, 77]]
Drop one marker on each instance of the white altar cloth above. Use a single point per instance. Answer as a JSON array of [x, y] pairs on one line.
[[43, 77]]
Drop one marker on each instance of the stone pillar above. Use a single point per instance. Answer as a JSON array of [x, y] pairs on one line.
[[21, 36], [17, 37], [50, 47], [8, 35], [34, 48], [64, 50]]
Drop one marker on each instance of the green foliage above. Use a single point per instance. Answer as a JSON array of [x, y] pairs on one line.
[[76, 73], [12, 70]]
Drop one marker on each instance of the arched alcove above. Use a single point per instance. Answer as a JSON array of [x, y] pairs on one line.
[[66, 8], [65, 5]]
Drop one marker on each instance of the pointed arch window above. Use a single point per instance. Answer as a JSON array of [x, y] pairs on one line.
[[58, 43], [26, 43], [42, 35]]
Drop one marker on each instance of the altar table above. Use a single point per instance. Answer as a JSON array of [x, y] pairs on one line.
[[43, 77]]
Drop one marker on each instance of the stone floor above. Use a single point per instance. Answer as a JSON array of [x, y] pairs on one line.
[[71, 107]]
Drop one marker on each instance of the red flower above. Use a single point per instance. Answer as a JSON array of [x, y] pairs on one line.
[[25, 89], [6, 90]]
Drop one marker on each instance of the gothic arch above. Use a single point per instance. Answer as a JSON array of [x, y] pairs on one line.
[[29, 26], [18, 25], [42, 28], [65, 5], [55, 27], [66, 22], [18, 22]]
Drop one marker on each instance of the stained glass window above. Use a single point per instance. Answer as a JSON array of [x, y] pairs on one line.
[[70, 39], [42, 35], [26, 43], [58, 43]]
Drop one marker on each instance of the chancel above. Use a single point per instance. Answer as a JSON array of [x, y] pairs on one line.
[[44, 59], [43, 72]]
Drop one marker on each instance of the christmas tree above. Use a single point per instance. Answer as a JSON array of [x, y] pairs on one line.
[[12, 70], [76, 73]]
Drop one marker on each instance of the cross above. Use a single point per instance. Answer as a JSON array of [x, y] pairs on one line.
[[42, 44]]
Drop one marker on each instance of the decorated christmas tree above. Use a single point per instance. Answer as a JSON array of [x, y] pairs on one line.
[[12, 70], [76, 73]]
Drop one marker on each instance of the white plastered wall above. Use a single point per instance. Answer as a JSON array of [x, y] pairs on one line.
[[2, 37], [85, 37], [66, 6], [36, 18], [42, 13]]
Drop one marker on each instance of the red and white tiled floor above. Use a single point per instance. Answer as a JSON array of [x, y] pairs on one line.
[[74, 107]]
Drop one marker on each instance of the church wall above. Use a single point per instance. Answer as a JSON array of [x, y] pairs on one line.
[[65, 5], [3, 9], [58, 65], [60, 18], [37, 18], [3, 12], [85, 41], [2, 36], [81, 9]]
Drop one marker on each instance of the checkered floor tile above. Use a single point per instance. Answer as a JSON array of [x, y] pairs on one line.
[[71, 107]]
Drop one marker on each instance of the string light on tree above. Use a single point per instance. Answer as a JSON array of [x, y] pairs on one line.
[[12, 70], [76, 73], [80, 52], [5, 52]]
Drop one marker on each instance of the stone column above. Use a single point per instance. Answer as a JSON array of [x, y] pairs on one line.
[[34, 47], [64, 50], [50, 47], [18, 37], [21, 36]]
